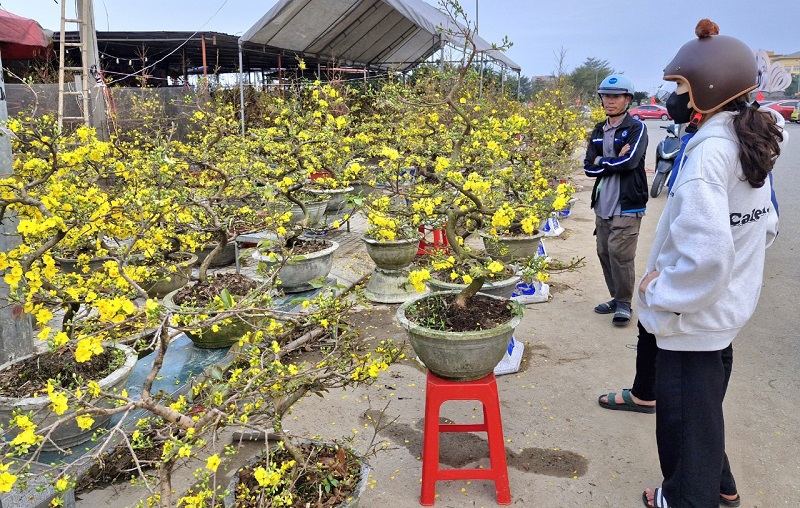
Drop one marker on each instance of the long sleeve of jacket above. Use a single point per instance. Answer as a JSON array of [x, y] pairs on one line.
[[606, 166]]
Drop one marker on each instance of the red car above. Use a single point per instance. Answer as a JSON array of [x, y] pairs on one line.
[[649, 111], [784, 107]]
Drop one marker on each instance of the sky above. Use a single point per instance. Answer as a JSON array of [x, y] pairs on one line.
[[636, 37]]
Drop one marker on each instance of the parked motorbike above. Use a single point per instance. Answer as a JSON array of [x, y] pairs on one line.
[[666, 151]]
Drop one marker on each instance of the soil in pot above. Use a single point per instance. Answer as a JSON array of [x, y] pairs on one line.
[[203, 293], [118, 465], [29, 376], [479, 313], [331, 479]]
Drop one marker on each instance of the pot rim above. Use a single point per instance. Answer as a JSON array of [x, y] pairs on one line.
[[372, 241], [130, 361], [410, 326]]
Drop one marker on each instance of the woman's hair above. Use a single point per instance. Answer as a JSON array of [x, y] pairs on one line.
[[759, 139]]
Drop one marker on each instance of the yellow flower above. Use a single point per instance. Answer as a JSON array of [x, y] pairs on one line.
[[84, 421], [58, 402], [62, 484], [213, 462], [495, 267], [7, 480]]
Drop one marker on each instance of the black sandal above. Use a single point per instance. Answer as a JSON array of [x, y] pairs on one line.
[[606, 307]]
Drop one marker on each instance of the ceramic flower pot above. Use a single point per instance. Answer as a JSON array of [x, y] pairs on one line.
[[508, 248], [68, 434], [462, 356]]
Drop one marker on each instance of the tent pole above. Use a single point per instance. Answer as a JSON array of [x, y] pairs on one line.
[[241, 85], [480, 88]]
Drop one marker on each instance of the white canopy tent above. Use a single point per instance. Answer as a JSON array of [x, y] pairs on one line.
[[370, 34], [382, 34]]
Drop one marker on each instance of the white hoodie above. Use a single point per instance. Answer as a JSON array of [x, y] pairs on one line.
[[709, 246]]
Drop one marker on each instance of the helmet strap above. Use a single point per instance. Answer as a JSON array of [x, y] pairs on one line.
[[694, 122]]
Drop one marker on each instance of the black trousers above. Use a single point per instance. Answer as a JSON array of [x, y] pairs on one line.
[[690, 430]]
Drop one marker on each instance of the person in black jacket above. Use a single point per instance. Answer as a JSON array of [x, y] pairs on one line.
[[615, 158]]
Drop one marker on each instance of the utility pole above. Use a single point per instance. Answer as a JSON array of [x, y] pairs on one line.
[[97, 115], [16, 331]]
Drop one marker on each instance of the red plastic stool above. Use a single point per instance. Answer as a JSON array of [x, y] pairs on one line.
[[439, 241], [438, 391]]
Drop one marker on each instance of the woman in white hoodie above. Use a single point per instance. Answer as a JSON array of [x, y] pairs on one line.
[[704, 273]]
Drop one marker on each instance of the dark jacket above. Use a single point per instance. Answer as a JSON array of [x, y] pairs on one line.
[[630, 167]]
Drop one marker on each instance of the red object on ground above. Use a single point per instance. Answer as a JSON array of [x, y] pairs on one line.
[[439, 241], [484, 390], [652, 99], [319, 174], [21, 38]]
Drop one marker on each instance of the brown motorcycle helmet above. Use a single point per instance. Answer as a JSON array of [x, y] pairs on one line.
[[717, 68]]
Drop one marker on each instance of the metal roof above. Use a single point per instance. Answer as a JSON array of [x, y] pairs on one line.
[[384, 34], [167, 53]]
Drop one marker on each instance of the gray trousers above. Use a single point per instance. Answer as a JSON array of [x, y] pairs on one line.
[[616, 248]]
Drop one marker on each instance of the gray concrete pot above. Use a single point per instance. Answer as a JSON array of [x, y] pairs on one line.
[[226, 334], [67, 435], [389, 280], [316, 212], [352, 502], [337, 198], [501, 288], [509, 248], [224, 258], [298, 271], [169, 280], [460, 356], [393, 255]]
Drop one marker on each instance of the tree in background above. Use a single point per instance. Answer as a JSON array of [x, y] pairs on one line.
[[587, 76]]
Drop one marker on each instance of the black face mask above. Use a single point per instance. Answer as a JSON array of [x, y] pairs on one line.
[[678, 107]]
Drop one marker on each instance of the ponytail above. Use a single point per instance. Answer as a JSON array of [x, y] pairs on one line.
[[759, 140]]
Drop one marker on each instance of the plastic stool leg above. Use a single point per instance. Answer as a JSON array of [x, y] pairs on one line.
[[430, 450], [497, 450]]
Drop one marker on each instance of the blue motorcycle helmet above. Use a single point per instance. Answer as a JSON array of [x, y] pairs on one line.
[[616, 84]]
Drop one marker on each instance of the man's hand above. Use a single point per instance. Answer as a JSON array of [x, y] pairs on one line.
[[625, 150]]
